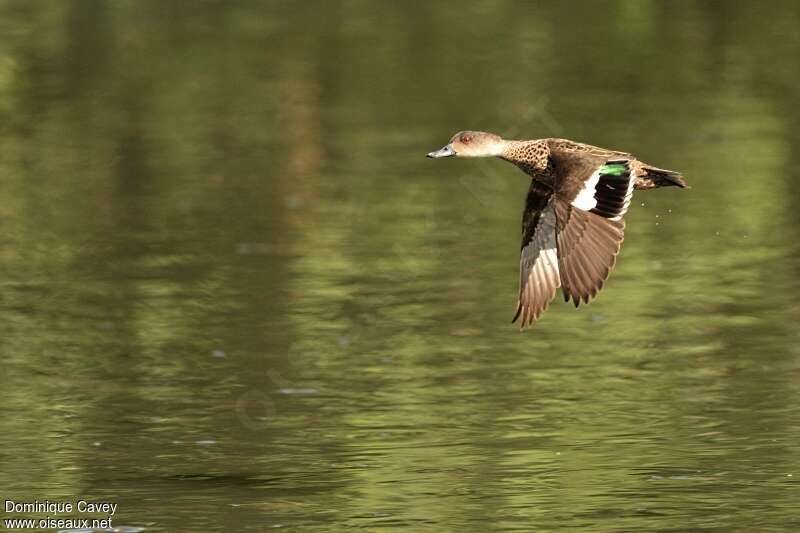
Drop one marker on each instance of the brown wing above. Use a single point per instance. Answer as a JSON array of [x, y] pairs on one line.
[[538, 264], [588, 244], [593, 190]]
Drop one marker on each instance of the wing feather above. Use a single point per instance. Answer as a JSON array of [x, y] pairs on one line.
[[572, 233], [588, 244], [538, 268]]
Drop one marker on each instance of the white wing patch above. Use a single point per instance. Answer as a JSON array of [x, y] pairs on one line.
[[585, 199], [607, 193]]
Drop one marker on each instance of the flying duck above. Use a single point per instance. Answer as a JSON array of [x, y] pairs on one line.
[[572, 226]]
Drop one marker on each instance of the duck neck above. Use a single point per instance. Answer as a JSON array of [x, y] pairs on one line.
[[509, 150], [530, 156]]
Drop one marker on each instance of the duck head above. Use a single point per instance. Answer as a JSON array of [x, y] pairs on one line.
[[471, 144]]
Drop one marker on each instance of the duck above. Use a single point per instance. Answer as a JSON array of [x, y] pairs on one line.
[[572, 220]]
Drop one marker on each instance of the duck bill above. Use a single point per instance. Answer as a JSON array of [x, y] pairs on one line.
[[447, 151]]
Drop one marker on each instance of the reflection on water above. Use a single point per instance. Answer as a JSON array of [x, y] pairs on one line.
[[236, 296]]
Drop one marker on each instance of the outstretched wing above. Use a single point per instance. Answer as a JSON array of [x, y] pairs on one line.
[[588, 245], [592, 196], [538, 264]]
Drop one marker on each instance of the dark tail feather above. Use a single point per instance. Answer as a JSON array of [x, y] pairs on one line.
[[658, 177]]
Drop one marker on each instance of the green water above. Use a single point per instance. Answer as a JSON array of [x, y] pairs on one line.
[[235, 295]]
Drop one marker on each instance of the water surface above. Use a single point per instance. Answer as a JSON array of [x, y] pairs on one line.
[[234, 295]]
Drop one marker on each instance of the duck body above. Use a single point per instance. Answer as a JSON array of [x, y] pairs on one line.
[[572, 221], [565, 163]]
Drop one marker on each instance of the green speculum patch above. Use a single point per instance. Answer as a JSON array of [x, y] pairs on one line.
[[613, 170]]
